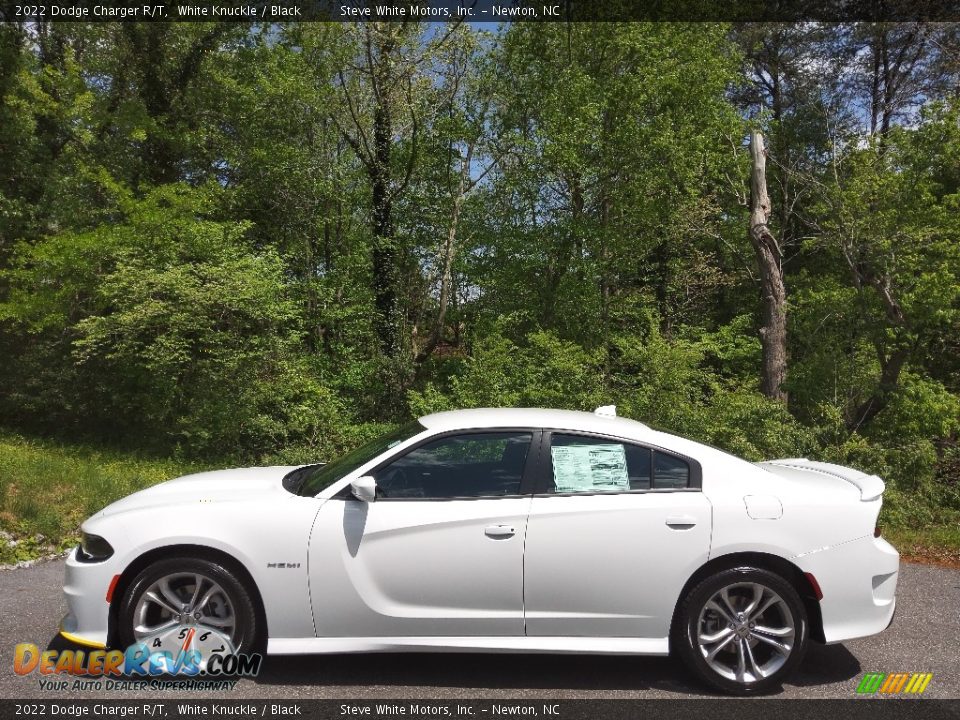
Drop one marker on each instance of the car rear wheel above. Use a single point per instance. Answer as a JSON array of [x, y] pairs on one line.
[[742, 630], [188, 600]]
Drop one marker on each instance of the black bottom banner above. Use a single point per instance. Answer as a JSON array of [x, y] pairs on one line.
[[467, 709]]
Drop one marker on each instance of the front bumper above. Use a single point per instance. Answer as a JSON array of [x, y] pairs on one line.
[[859, 583], [85, 586]]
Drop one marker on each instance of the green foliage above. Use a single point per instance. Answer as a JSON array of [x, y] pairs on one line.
[[665, 384], [890, 220], [732, 350], [544, 371], [671, 386], [921, 409], [909, 466], [180, 330], [48, 489], [206, 250], [613, 186]]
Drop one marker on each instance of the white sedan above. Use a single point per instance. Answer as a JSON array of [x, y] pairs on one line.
[[500, 530]]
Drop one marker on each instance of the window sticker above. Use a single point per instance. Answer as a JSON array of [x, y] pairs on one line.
[[590, 468]]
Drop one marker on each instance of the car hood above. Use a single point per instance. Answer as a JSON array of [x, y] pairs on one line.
[[236, 485]]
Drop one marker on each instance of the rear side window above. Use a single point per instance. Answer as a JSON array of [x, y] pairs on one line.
[[581, 464], [670, 472]]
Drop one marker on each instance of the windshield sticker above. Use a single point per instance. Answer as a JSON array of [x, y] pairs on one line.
[[586, 468]]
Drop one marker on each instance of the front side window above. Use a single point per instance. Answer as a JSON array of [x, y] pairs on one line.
[[470, 465], [583, 464], [312, 479]]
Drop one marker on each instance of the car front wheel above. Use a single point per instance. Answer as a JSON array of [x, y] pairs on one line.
[[188, 603], [742, 630]]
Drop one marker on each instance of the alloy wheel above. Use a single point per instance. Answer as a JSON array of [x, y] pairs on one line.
[[181, 601], [746, 632]]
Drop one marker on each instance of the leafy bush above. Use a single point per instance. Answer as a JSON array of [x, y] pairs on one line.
[[544, 371], [178, 333], [663, 383]]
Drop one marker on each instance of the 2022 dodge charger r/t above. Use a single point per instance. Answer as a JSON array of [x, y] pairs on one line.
[[500, 530]]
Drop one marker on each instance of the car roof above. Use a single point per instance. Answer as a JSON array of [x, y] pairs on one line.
[[535, 418]]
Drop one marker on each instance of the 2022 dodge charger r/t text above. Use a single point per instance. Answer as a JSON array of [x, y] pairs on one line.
[[500, 530]]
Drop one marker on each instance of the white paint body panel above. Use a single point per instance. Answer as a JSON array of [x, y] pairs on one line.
[[553, 645], [609, 565], [581, 573], [244, 513], [763, 507], [386, 569]]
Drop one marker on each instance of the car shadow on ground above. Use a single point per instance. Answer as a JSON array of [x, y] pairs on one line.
[[478, 671], [58, 642], [826, 664], [823, 665]]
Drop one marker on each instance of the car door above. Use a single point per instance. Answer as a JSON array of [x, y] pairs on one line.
[[615, 530], [440, 550]]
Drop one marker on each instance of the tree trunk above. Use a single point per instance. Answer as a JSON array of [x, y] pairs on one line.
[[773, 331], [890, 369], [661, 258], [892, 360], [385, 271], [446, 275]]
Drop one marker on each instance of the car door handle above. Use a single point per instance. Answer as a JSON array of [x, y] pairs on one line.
[[681, 522], [500, 531]]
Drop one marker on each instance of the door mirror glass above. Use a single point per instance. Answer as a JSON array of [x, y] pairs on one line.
[[364, 489]]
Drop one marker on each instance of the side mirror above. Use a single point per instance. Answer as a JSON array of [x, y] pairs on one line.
[[364, 489]]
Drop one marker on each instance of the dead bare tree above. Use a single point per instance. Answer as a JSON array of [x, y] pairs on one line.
[[773, 331]]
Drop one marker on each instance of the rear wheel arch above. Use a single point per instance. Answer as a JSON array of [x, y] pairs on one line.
[[202, 552], [764, 561]]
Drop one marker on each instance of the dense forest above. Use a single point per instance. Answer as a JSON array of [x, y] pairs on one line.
[[258, 243]]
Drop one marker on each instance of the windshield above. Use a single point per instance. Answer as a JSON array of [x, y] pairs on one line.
[[319, 477]]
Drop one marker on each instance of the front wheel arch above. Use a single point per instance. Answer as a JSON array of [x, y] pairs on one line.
[[765, 561], [202, 552]]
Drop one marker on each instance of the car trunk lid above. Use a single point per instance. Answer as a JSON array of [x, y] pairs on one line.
[[870, 486]]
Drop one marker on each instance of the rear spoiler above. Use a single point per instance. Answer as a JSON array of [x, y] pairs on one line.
[[871, 487]]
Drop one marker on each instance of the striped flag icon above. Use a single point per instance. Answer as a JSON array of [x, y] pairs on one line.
[[893, 683]]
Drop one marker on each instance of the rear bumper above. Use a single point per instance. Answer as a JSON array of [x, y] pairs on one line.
[[859, 583]]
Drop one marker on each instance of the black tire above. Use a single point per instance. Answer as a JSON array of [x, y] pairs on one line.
[[247, 633], [741, 583]]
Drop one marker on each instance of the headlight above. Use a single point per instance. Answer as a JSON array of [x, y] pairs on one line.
[[93, 548]]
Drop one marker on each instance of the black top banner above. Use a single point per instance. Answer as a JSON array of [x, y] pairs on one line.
[[480, 11]]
